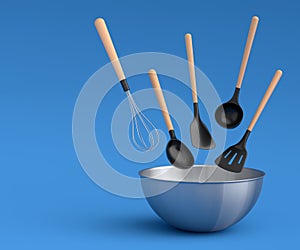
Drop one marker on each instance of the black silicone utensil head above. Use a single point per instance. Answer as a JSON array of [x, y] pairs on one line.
[[234, 157], [200, 136], [230, 114], [178, 154]]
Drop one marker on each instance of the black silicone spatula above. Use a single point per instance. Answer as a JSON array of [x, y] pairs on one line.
[[233, 158], [200, 136]]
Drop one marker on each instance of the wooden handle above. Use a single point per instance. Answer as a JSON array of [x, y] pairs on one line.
[[248, 47], [160, 97], [266, 97], [109, 47], [190, 56]]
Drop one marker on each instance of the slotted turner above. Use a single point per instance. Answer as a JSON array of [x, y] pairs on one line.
[[233, 158]]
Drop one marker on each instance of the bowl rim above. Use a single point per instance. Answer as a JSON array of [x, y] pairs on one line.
[[261, 176]]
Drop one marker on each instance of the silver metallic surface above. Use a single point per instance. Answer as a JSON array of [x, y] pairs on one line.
[[204, 199]]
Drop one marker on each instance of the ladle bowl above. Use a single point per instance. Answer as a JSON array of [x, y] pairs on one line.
[[179, 155], [203, 198], [229, 115]]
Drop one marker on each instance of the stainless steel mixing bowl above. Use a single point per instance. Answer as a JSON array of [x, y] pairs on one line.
[[203, 198]]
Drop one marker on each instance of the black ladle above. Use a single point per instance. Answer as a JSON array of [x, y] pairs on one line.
[[178, 154], [230, 114], [234, 157]]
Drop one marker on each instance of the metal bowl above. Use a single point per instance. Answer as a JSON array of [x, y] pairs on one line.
[[203, 198]]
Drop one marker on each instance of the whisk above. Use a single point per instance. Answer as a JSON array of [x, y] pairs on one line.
[[150, 129], [141, 143]]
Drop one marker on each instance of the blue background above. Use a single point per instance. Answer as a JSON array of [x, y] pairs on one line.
[[48, 49]]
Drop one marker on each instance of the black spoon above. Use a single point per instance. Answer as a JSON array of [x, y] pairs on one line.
[[178, 154], [230, 114], [233, 158], [200, 136]]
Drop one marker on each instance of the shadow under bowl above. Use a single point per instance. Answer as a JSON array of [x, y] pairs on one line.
[[201, 199]]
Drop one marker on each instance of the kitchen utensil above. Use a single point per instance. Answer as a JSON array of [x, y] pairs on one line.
[[185, 203], [230, 114], [178, 154], [199, 133], [233, 158], [138, 118]]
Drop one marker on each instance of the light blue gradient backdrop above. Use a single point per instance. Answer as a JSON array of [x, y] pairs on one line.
[[48, 49]]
